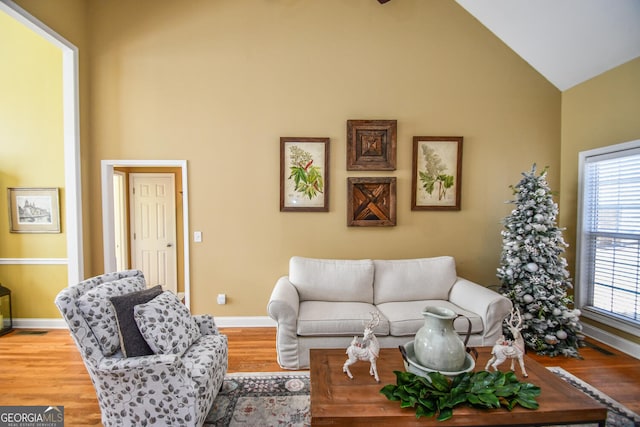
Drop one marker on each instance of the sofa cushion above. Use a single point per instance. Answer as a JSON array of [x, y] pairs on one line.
[[166, 324], [414, 279], [405, 318], [320, 318], [98, 313], [132, 342], [332, 280]]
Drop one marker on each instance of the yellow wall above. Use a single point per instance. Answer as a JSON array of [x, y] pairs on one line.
[[218, 83], [600, 112], [31, 142]]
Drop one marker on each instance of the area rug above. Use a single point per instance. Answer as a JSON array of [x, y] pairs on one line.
[[618, 415], [282, 399], [262, 399]]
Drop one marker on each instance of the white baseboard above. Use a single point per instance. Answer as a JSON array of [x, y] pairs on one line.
[[244, 322], [39, 324], [625, 346], [221, 321]]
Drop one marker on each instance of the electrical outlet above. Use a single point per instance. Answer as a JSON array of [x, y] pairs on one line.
[[222, 299]]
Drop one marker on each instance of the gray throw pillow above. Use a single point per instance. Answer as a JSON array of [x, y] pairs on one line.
[[99, 314], [132, 342], [166, 324]]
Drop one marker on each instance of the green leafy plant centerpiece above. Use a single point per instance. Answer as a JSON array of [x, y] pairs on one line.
[[306, 176], [439, 395]]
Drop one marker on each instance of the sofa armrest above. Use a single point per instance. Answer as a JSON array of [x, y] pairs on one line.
[[284, 302], [489, 305], [283, 307], [206, 323], [112, 365]]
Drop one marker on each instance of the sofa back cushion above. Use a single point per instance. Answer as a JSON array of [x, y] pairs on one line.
[[414, 279], [332, 279]]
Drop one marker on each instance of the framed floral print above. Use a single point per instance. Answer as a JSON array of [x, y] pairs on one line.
[[304, 174], [436, 173]]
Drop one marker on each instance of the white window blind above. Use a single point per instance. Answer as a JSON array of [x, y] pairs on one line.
[[609, 240]]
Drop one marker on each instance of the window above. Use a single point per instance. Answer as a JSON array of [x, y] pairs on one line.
[[608, 259]]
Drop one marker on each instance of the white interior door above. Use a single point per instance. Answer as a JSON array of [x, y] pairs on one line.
[[153, 228]]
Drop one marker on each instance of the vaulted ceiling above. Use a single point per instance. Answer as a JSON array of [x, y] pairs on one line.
[[567, 41]]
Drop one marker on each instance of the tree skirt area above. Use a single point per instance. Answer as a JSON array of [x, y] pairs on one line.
[[282, 399]]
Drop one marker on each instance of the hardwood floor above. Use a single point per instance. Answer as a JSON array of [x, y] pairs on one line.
[[45, 368]]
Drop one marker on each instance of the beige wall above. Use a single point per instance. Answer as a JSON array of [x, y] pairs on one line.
[[600, 112], [217, 84]]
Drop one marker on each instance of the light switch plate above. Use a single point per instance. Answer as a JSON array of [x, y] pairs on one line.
[[197, 236]]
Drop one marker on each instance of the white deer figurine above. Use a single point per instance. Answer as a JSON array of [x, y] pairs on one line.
[[509, 349], [366, 350]]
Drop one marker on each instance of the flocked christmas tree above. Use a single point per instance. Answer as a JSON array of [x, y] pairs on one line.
[[533, 270]]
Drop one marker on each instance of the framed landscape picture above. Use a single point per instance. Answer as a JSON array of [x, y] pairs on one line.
[[34, 210], [436, 173], [304, 174]]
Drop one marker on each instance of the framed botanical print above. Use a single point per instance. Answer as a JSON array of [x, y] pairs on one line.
[[304, 174], [437, 173]]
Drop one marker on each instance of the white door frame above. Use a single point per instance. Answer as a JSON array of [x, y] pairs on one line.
[[108, 232], [120, 219]]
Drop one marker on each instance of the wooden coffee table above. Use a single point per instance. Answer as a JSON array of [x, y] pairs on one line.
[[337, 400]]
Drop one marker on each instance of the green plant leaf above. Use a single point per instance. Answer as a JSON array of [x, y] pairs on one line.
[[389, 392], [507, 390], [445, 414], [489, 399], [427, 404], [527, 403], [403, 378], [422, 411], [473, 399], [439, 381], [410, 403]]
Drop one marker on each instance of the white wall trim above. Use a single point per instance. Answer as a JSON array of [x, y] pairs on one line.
[[39, 324], [625, 346], [244, 322], [71, 135], [33, 261]]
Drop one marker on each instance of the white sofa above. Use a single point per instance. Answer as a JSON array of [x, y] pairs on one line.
[[323, 303]]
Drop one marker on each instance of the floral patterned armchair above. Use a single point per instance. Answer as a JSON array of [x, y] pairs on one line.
[[173, 384]]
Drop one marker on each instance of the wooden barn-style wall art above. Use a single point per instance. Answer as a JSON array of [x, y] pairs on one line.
[[371, 202]]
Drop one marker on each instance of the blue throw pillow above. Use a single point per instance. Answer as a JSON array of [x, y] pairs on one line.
[[132, 342]]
